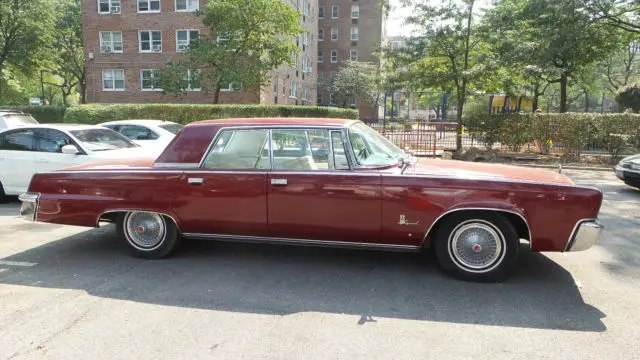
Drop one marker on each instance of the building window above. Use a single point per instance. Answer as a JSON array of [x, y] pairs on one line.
[[184, 38], [334, 56], [305, 38], [111, 42], [112, 80], [187, 5], [321, 12], [149, 6], [335, 11], [306, 65], [354, 34], [320, 56], [355, 11], [293, 90], [230, 87], [354, 55], [150, 41], [109, 6], [294, 59], [147, 80], [192, 81], [334, 34], [320, 34], [318, 98], [396, 44]]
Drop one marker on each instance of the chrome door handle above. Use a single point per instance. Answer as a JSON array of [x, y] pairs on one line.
[[279, 182], [195, 181]]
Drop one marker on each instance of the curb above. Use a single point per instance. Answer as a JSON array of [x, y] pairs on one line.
[[567, 167]]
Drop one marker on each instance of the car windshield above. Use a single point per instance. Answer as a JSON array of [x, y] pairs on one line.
[[102, 139], [372, 149], [172, 128], [17, 120]]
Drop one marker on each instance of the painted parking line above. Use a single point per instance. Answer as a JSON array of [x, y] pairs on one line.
[[17, 263]]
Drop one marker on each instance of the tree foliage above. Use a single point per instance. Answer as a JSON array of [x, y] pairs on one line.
[[629, 98], [356, 81], [25, 31], [618, 14], [245, 41]]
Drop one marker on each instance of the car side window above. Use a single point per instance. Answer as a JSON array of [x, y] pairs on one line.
[[22, 140], [51, 141], [239, 149], [300, 149], [340, 161], [135, 132]]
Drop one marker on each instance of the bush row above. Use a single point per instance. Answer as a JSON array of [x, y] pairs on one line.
[[572, 132], [44, 114], [184, 114]]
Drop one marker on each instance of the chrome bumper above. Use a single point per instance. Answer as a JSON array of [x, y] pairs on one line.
[[29, 207], [584, 236]]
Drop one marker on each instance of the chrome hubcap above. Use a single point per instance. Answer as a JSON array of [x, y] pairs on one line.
[[144, 230], [477, 246]]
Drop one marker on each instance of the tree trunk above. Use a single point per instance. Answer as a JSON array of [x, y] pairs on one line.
[[83, 91], [563, 93], [216, 95], [459, 121], [586, 101]]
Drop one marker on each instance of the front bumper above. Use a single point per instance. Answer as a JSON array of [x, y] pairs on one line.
[[29, 207], [629, 176], [584, 236]]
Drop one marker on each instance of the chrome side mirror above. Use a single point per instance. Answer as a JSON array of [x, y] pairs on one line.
[[70, 150]]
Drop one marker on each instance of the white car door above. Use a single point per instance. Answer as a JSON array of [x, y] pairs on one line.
[[17, 160], [49, 156]]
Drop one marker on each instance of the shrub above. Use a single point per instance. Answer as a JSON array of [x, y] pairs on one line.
[[44, 114], [629, 98], [572, 132], [184, 114]]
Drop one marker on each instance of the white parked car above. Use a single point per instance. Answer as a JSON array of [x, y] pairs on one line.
[[146, 133], [34, 149], [10, 119]]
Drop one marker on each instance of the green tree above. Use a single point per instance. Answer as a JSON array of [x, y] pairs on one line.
[[356, 81], [68, 49], [629, 98], [25, 31], [619, 14], [556, 37], [622, 66], [447, 53], [246, 40]]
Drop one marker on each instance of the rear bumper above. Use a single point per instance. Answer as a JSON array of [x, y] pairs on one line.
[[584, 236], [29, 207]]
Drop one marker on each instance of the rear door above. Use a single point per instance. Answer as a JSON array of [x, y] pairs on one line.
[[17, 160], [312, 194], [226, 195]]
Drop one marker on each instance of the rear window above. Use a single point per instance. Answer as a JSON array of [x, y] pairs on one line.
[[172, 128], [102, 139], [17, 120]]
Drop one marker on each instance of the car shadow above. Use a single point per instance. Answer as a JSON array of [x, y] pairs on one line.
[[10, 207], [282, 280]]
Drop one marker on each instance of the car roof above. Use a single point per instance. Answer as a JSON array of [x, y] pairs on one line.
[[138, 122], [66, 127], [276, 121]]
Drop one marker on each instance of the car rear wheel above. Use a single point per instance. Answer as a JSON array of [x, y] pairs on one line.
[[149, 235], [477, 246]]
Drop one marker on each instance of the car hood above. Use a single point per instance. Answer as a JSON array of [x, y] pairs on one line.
[[482, 171], [631, 159]]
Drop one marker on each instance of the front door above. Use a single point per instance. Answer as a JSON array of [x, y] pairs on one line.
[[313, 195], [227, 194], [49, 156]]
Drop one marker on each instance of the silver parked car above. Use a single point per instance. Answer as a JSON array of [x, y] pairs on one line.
[[11, 119]]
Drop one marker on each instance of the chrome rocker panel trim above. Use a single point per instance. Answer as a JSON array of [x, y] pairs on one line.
[[302, 242]]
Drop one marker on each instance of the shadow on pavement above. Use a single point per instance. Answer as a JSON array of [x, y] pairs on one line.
[[283, 280], [10, 207]]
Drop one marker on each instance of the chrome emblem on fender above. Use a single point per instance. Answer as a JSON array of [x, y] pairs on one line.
[[403, 221]]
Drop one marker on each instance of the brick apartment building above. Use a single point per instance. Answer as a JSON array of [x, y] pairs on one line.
[[125, 40], [347, 30]]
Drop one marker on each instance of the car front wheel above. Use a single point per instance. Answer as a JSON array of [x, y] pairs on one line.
[[477, 246], [149, 235]]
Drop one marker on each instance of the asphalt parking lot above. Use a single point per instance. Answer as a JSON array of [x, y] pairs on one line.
[[71, 293]]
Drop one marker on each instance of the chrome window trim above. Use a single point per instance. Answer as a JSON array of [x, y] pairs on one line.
[[424, 239], [174, 165], [572, 239], [130, 210], [302, 242]]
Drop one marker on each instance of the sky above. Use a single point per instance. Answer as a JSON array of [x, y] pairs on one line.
[[398, 14]]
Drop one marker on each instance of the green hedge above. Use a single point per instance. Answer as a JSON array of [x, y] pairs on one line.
[[573, 132], [45, 114], [184, 114]]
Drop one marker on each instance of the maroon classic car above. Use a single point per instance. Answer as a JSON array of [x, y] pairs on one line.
[[323, 182]]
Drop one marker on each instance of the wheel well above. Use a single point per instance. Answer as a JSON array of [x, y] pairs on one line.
[[518, 222], [112, 216]]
